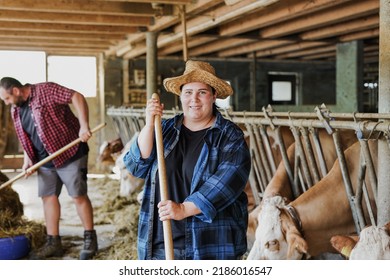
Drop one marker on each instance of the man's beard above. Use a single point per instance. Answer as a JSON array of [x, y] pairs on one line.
[[19, 102]]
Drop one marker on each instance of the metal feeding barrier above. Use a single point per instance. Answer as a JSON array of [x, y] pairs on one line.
[[266, 137]]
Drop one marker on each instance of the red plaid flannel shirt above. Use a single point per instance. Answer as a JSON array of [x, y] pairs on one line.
[[54, 120]]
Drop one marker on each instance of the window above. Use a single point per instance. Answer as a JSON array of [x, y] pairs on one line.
[[282, 88], [75, 72], [25, 66]]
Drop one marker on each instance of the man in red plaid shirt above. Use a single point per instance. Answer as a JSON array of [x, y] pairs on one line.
[[44, 123]]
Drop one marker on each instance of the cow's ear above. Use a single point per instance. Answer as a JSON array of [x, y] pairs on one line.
[[344, 244], [387, 228], [297, 243], [293, 236]]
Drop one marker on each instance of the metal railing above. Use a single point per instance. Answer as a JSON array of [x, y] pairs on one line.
[[266, 134]]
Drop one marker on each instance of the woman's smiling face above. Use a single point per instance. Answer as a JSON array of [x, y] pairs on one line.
[[197, 100]]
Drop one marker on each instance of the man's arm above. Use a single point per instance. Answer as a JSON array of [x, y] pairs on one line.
[[81, 107]]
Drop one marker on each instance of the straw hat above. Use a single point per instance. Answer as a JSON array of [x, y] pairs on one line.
[[199, 71]]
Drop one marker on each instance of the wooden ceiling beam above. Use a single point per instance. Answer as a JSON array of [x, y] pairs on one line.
[[360, 35], [63, 28], [86, 6], [21, 34], [312, 51], [176, 2], [278, 12], [136, 50], [350, 10], [220, 45], [342, 28], [192, 43], [222, 14], [64, 18], [54, 50], [250, 48], [292, 47], [328, 56], [166, 22], [55, 42]]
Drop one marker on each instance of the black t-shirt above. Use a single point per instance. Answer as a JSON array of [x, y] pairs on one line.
[[179, 166]]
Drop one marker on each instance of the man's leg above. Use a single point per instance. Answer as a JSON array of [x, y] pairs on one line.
[[49, 188], [52, 212], [74, 176], [85, 212]]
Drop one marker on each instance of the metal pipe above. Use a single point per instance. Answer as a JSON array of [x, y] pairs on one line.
[[346, 178], [255, 188], [257, 156], [263, 156], [358, 198], [319, 152], [310, 155], [300, 151], [258, 177], [267, 145], [370, 168], [287, 165]]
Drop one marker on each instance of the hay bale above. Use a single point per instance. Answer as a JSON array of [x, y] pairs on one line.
[[12, 221], [11, 208]]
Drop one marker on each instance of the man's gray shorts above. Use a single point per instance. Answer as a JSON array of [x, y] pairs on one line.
[[73, 175]]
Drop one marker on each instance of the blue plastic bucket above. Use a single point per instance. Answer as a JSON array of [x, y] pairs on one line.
[[14, 248]]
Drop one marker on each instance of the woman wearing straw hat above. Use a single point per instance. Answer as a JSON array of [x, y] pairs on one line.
[[207, 163]]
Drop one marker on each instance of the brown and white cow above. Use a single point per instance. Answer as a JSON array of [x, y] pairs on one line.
[[128, 183], [108, 153], [373, 243], [111, 157], [306, 225], [280, 183]]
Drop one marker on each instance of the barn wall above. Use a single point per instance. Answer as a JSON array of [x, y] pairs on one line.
[[113, 81], [317, 80], [350, 76]]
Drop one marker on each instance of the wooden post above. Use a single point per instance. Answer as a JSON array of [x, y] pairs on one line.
[[184, 25], [384, 107]]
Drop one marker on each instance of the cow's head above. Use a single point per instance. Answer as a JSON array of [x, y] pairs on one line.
[[277, 236], [373, 243]]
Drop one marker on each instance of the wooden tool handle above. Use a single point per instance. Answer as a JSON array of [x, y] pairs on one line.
[[49, 158], [167, 229]]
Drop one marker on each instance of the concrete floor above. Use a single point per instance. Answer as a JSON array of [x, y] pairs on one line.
[[71, 228]]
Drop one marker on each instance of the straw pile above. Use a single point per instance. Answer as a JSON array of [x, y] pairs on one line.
[[122, 212], [12, 221]]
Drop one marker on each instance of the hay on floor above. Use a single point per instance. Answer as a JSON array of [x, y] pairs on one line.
[[12, 221], [122, 212]]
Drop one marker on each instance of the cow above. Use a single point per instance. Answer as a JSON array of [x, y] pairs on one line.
[[111, 157], [280, 183], [304, 226], [373, 243], [108, 153], [128, 183]]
